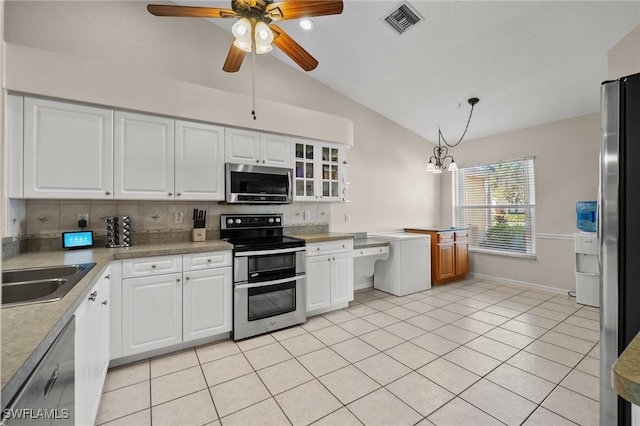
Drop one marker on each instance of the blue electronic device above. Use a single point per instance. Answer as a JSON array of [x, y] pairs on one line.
[[81, 239]]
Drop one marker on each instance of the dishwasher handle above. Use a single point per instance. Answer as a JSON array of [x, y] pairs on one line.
[[51, 381]]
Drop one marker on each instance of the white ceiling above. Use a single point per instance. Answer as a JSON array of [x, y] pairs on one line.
[[529, 62]]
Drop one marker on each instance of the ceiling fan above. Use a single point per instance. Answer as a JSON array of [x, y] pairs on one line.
[[254, 30]]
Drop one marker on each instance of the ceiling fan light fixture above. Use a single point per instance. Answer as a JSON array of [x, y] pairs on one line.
[[241, 30], [264, 38]]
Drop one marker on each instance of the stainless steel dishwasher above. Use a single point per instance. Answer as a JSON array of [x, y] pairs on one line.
[[47, 398]]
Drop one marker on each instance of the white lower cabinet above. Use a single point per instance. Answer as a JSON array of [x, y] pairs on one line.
[[191, 300], [329, 276], [151, 313], [92, 349]]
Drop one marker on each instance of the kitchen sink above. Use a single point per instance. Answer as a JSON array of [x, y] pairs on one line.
[[38, 285]]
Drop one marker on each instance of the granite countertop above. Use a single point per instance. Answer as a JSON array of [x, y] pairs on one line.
[[436, 228], [28, 331], [626, 372], [322, 237], [360, 243]]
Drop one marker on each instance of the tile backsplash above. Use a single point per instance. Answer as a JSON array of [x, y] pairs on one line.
[[46, 217]]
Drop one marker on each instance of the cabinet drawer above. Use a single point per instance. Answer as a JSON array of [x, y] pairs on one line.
[[318, 249], [199, 261], [150, 266], [445, 237], [462, 235], [370, 251]]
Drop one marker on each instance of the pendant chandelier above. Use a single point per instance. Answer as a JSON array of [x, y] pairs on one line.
[[441, 153]]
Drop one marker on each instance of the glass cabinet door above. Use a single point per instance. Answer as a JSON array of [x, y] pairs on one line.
[[330, 160], [305, 179]]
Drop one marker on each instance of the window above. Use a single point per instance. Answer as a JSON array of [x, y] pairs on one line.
[[497, 202]]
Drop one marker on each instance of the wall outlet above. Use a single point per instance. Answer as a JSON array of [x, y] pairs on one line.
[[347, 218], [84, 216], [179, 217], [307, 215]]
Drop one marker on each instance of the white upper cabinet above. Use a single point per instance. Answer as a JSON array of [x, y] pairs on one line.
[[68, 150], [320, 171], [144, 152], [199, 161], [255, 148]]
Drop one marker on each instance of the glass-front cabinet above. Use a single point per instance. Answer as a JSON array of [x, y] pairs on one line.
[[319, 171]]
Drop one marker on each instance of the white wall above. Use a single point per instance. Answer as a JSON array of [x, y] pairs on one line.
[[624, 57], [566, 171], [389, 188]]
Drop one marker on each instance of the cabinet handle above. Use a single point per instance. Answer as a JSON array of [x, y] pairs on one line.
[[318, 248], [178, 194], [107, 193], [105, 303], [153, 266], [264, 161], [107, 277], [187, 278], [170, 194], [257, 161], [333, 258], [328, 259], [343, 246], [92, 296], [177, 280]]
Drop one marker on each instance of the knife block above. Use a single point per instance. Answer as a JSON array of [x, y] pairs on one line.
[[199, 234]]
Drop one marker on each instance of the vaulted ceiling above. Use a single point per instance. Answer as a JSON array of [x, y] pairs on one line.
[[529, 62]]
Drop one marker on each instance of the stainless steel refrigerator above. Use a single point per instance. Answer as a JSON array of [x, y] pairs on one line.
[[618, 235]]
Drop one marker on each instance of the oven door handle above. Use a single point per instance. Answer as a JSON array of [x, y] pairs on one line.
[[269, 252], [266, 283]]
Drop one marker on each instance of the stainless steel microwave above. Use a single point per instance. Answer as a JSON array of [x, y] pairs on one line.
[[249, 184]]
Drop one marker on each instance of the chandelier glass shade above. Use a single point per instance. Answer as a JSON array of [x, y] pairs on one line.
[[441, 160]]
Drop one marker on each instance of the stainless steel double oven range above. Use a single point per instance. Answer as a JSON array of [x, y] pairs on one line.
[[269, 276]]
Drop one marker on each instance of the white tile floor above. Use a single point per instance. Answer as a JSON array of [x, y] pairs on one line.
[[467, 353]]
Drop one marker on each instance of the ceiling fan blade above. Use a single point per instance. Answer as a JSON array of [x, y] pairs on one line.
[[293, 49], [293, 9], [234, 59], [190, 11]]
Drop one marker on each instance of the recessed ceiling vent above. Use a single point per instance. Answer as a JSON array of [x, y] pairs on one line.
[[403, 18]]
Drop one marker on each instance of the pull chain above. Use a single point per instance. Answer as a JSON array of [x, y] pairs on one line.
[[253, 83]]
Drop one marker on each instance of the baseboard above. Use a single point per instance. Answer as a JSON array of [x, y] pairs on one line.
[[520, 283], [362, 286]]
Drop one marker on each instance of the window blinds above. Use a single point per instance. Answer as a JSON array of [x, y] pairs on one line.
[[497, 202]]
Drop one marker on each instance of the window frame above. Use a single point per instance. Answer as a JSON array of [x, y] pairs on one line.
[[459, 208]]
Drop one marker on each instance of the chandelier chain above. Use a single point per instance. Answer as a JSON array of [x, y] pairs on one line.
[[441, 136]]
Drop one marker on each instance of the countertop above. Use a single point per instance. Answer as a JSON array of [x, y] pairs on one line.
[[28, 331], [436, 228], [323, 237], [626, 372], [361, 243]]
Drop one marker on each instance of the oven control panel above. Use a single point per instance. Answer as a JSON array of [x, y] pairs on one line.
[[234, 221]]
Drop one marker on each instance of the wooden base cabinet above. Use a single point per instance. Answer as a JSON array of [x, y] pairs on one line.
[[449, 254]]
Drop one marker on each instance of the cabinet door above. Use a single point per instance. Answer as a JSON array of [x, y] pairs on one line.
[[68, 150], [318, 282], [304, 157], [341, 278], [82, 349], [330, 172], [207, 303], [98, 319], [446, 261], [462, 257], [151, 313], [241, 146], [275, 150], [199, 156], [144, 157]]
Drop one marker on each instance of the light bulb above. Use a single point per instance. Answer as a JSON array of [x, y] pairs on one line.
[[264, 37], [241, 30]]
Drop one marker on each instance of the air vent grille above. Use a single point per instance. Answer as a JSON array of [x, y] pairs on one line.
[[403, 18]]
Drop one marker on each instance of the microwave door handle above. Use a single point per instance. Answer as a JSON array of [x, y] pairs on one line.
[[290, 191], [269, 252], [266, 283]]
